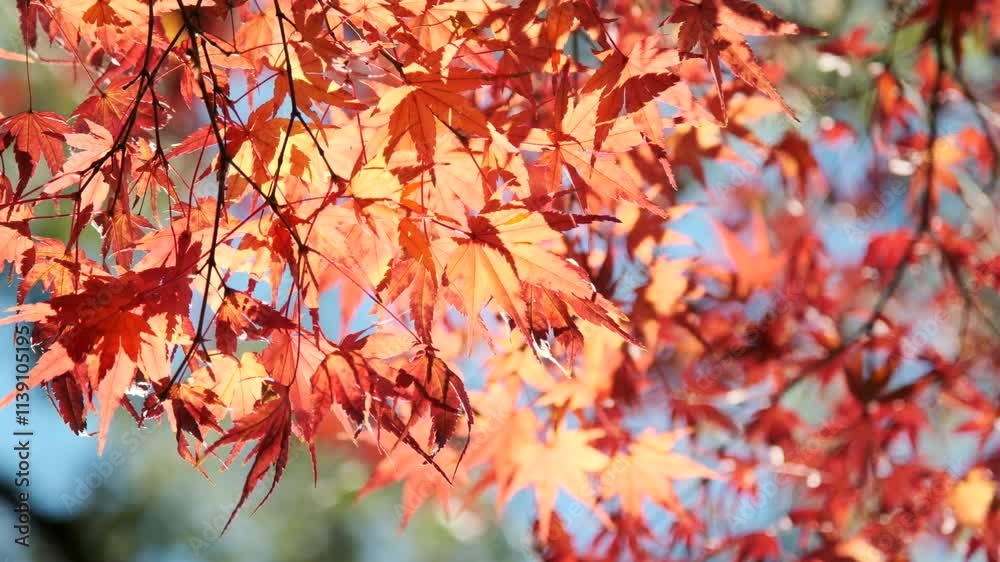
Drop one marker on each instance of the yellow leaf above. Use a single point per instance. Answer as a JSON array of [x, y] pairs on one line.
[[970, 499]]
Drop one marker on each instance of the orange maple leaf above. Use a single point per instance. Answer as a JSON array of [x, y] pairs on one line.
[[34, 135], [719, 27], [564, 459], [646, 471]]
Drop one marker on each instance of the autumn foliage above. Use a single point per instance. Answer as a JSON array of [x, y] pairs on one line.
[[487, 242]]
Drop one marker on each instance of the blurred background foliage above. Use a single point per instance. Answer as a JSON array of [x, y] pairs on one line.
[[141, 502]]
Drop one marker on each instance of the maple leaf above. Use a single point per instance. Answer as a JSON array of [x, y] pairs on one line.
[[485, 274], [242, 316], [504, 253], [500, 425], [425, 100], [113, 105], [93, 183], [111, 379], [110, 334], [30, 13], [91, 147], [949, 153], [970, 498], [797, 164], [201, 139], [422, 284], [592, 172], [191, 412], [34, 135], [758, 546], [344, 380], [421, 483], [417, 272], [646, 471], [258, 142], [634, 82], [603, 175], [271, 426], [53, 268], [667, 284], [116, 380], [112, 318], [17, 246], [886, 251], [348, 381], [854, 44], [237, 383], [290, 360], [756, 266], [441, 391], [564, 459], [71, 400], [719, 27], [101, 13], [558, 543]]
